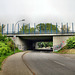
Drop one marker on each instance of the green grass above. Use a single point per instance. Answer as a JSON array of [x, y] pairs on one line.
[[3, 57], [66, 51], [1, 60]]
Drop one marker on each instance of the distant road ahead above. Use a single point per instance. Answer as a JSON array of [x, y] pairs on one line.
[[42, 63]]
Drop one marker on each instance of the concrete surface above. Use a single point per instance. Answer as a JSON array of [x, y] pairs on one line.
[[72, 56], [14, 65], [18, 35], [43, 63], [20, 43], [58, 39], [28, 41]]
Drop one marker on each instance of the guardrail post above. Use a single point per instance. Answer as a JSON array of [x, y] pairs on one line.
[[45, 27], [67, 27], [7, 28], [34, 28], [56, 28], [2, 28], [29, 28], [62, 27], [23, 28], [18, 28], [40, 28], [12, 28], [51, 28]]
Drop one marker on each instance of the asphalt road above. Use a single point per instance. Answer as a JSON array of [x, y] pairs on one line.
[[42, 63]]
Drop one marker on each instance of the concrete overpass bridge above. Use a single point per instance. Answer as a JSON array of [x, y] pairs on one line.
[[27, 39]]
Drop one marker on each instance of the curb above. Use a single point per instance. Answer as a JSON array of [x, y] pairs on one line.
[[26, 64]]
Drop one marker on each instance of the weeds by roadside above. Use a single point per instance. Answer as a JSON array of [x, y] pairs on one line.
[[6, 48]]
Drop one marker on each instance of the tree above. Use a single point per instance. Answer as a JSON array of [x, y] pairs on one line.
[[45, 44], [25, 28], [1, 27], [47, 27], [44, 27], [71, 43], [64, 28]]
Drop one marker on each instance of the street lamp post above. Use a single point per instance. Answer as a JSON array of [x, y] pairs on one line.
[[14, 32]]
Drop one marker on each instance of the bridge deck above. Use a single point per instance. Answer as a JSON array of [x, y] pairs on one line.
[[19, 35]]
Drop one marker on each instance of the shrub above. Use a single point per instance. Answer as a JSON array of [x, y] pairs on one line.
[[45, 44], [51, 44], [11, 45], [71, 43], [2, 38], [4, 49]]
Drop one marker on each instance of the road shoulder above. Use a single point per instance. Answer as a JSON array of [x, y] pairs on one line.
[[71, 56], [15, 66]]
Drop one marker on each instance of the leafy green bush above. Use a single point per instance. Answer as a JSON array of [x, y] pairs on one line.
[[51, 44], [71, 43], [45, 44], [2, 38], [4, 49], [8, 41], [11, 45]]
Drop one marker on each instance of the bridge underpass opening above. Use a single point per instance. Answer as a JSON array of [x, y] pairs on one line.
[[31, 42], [44, 46]]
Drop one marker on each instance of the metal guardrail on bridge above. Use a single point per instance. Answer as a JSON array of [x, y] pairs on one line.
[[41, 28]]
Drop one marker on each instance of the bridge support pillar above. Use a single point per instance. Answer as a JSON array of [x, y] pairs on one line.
[[36, 45], [20, 43], [24, 44], [59, 39]]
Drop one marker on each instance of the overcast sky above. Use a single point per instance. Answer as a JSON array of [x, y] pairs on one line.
[[37, 11]]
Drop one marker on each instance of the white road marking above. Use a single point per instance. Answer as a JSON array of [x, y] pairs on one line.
[[59, 63]]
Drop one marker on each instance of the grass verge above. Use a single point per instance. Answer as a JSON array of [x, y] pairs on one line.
[[66, 51]]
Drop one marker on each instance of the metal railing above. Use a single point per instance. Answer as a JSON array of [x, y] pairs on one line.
[[46, 29]]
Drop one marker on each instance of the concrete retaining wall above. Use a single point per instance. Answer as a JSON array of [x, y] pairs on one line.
[[59, 39], [20, 43]]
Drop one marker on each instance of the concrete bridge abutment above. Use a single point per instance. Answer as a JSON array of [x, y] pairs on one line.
[[20, 43], [23, 44], [59, 39]]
